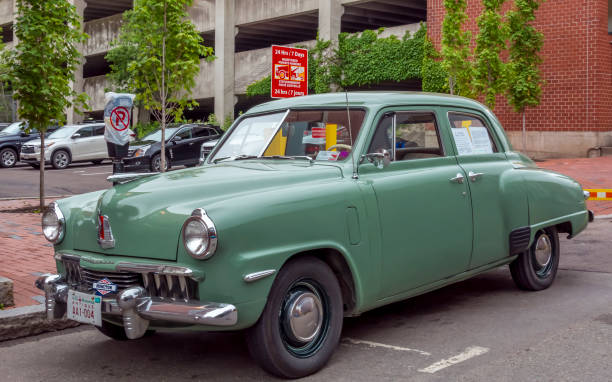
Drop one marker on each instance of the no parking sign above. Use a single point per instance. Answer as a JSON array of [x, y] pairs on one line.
[[117, 117]]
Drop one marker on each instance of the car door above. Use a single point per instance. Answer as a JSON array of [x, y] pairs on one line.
[[480, 155], [179, 148], [425, 212], [100, 151], [82, 145]]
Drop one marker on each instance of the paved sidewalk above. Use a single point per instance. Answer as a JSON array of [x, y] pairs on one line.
[[24, 252]]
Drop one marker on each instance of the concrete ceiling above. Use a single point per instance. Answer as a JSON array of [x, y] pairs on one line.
[[382, 13], [97, 9]]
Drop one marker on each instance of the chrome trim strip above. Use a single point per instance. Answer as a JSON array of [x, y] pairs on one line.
[[280, 124], [171, 270], [125, 178], [251, 277]]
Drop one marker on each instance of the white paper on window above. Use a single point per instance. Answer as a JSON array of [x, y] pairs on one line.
[[481, 144], [462, 141]]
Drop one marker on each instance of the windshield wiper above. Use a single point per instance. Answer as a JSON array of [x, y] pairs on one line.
[[291, 157], [236, 157]]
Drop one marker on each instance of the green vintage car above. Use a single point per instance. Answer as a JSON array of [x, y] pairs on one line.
[[308, 210]]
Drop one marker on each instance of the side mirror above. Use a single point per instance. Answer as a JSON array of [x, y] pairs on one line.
[[176, 139], [23, 134], [75, 136], [380, 160]]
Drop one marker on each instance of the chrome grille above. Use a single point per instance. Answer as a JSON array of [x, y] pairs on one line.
[[157, 285], [27, 149], [131, 152]]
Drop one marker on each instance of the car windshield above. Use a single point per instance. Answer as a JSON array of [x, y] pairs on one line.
[[13, 128], [63, 132], [312, 134], [156, 135]]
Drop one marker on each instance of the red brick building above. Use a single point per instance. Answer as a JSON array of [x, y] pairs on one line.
[[575, 113]]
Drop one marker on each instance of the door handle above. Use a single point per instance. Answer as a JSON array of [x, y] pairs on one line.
[[458, 179], [474, 176]]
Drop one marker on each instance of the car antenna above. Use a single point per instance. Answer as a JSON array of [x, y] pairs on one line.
[[348, 116]]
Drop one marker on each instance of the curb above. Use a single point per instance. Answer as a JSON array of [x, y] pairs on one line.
[[28, 321], [33, 197], [603, 216]]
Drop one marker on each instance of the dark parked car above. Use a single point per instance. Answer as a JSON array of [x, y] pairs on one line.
[[11, 139], [182, 147]]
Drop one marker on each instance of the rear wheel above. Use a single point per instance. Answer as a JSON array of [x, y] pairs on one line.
[[536, 268], [8, 157], [301, 324], [60, 159]]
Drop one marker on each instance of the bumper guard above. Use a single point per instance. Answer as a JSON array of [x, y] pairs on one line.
[[137, 309]]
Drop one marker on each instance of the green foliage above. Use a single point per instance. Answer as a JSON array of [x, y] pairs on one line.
[[523, 78], [143, 128], [456, 48], [260, 87], [359, 60], [42, 63], [157, 56], [434, 76], [489, 70], [227, 122]]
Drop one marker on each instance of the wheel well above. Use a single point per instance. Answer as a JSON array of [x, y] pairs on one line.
[[565, 227], [335, 260], [63, 149]]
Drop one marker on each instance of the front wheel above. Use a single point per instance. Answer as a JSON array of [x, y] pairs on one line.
[[536, 268], [301, 324], [60, 159], [156, 163]]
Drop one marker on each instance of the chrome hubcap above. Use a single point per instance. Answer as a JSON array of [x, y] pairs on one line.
[[8, 158], [61, 160], [305, 315], [543, 251]]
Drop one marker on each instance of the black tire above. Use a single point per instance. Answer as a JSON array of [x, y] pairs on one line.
[[36, 166], [97, 161], [8, 157], [60, 159], [305, 283], [156, 163], [117, 332], [536, 268]]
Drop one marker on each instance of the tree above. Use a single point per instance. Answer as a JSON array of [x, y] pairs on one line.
[[489, 68], [523, 78], [456, 54], [157, 56], [42, 66], [5, 80]]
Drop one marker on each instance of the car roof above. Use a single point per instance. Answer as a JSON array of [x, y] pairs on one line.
[[366, 99]]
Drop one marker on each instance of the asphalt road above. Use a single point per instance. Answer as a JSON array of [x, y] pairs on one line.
[[23, 180], [483, 329]]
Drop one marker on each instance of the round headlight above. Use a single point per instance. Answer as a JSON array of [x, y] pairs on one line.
[[199, 235], [53, 224]]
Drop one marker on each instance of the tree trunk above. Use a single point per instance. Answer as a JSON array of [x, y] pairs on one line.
[[524, 134], [162, 163], [42, 171]]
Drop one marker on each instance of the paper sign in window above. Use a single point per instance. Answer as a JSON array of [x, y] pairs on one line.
[[462, 141], [472, 141]]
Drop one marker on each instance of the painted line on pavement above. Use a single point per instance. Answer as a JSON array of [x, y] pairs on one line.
[[78, 171], [97, 173], [471, 352], [379, 345]]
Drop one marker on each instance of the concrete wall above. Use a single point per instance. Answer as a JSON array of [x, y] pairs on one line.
[[551, 144], [202, 14], [94, 88], [6, 11], [250, 11], [204, 87], [101, 33]]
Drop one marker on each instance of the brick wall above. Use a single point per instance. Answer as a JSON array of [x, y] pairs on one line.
[[577, 65]]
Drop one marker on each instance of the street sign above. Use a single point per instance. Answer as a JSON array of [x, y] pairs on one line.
[[289, 72], [120, 118]]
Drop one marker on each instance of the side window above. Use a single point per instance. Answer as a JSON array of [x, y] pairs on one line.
[[185, 133], [99, 130], [212, 132], [416, 136], [383, 136], [471, 135], [199, 132], [407, 135], [85, 131]]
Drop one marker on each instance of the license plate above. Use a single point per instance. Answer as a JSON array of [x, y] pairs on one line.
[[85, 308]]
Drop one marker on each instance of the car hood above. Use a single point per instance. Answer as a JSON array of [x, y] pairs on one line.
[[146, 215]]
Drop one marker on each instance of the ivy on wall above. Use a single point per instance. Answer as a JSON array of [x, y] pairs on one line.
[[365, 58]]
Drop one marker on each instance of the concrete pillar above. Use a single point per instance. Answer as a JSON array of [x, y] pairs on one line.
[[330, 15], [224, 63], [72, 116]]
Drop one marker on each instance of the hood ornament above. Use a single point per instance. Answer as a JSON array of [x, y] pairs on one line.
[[105, 234]]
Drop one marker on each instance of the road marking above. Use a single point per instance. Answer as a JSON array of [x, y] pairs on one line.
[[78, 171], [98, 173], [379, 345], [471, 352]]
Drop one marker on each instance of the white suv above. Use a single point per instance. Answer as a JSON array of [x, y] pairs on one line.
[[74, 143]]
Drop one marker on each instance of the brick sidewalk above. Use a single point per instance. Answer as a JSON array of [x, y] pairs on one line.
[[591, 173], [24, 252]]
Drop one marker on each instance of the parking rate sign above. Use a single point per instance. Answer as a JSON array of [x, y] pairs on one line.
[[289, 72]]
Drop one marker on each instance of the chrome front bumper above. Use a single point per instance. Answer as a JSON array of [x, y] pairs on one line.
[[137, 309]]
